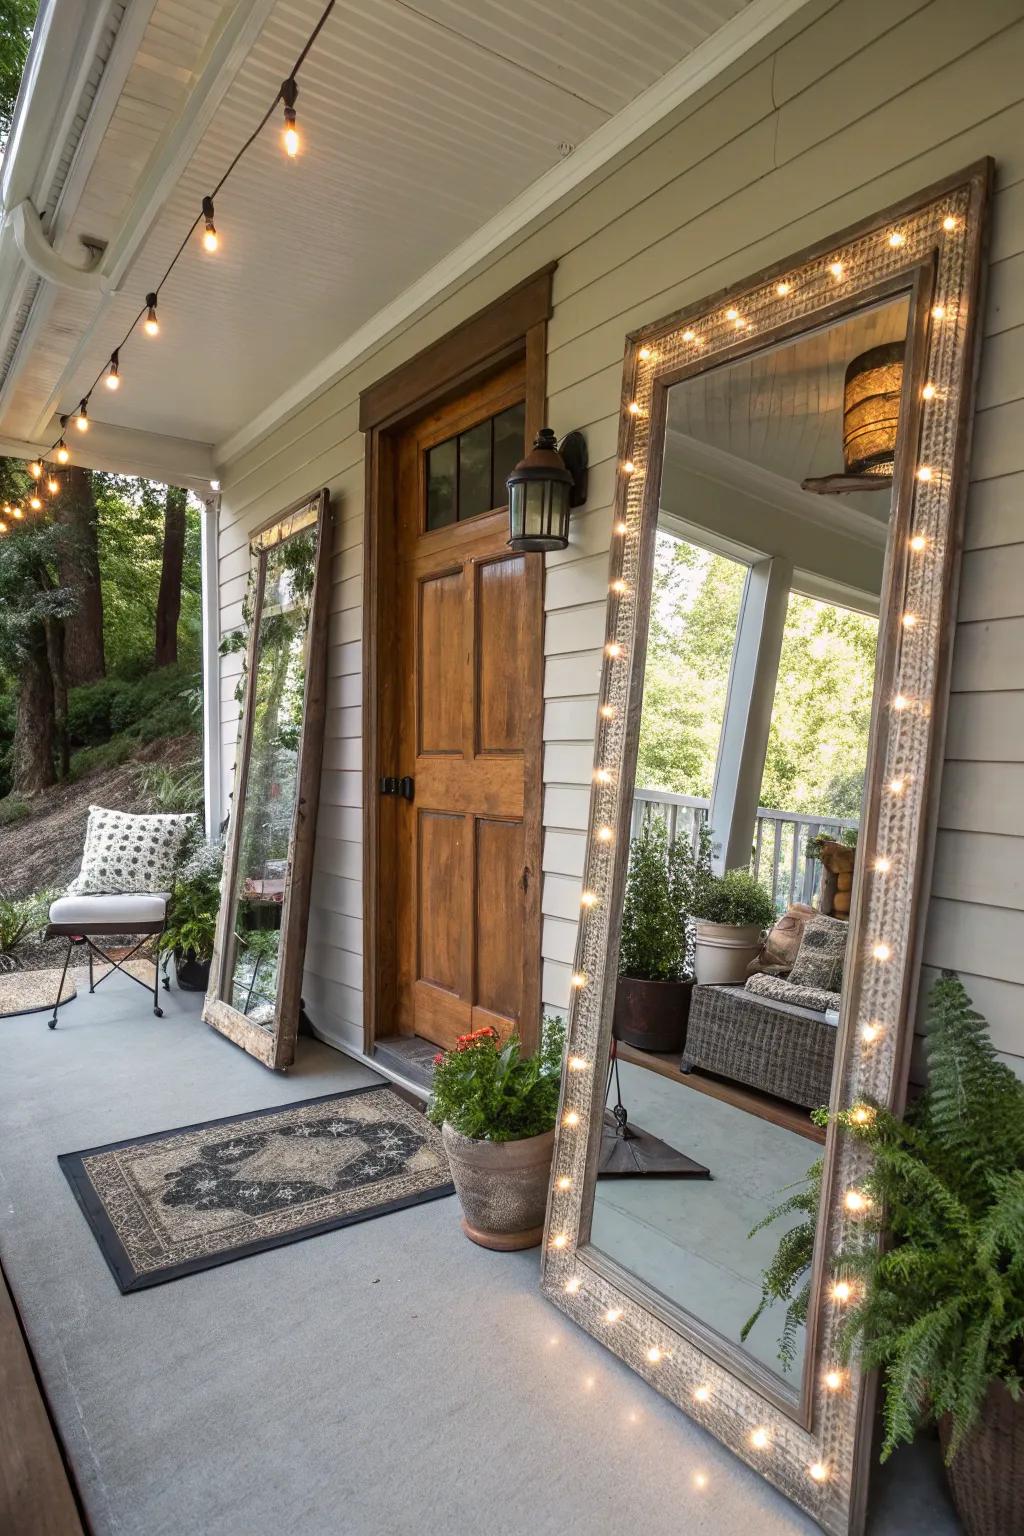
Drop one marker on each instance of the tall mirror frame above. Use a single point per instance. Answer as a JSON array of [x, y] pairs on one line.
[[275, 1046], [814, 1445]]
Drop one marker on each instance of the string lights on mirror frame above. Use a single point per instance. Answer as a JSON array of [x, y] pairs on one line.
[[147, 317], [589, 1295]]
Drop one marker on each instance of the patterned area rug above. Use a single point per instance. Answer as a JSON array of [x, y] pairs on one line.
[[167, 1205], [32, 992]]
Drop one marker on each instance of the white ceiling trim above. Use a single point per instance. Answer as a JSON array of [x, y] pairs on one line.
[[762, 484], [691, 75]]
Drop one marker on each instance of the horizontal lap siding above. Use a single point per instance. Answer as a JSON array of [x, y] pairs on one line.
[[856, 105]]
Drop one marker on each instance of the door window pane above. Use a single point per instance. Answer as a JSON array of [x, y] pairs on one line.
[[475, 471], [441, 465], [509, 434], [466, 474]]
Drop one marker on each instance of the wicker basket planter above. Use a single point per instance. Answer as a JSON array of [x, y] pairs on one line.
[[986, 1477], [502, 1187], [652, 1015]]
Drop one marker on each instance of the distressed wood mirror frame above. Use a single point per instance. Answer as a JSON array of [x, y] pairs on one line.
[[814, 1445], [276, 1047]]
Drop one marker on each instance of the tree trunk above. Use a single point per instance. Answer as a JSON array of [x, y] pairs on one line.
[[79, 569], [57, 657], [32, 749], [168, 603]]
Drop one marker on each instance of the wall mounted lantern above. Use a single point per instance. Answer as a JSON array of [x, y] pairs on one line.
[[543, 488]]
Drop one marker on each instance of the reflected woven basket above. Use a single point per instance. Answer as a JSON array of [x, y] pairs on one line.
[[986, 1476]]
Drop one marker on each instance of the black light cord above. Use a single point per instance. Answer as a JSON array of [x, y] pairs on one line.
[[287, 89]]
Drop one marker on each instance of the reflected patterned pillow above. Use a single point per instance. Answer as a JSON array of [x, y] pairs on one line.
[[819, 961], [129, 853]]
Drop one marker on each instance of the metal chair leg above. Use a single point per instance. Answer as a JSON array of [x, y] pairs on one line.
[[52, 1023], [92, 987]]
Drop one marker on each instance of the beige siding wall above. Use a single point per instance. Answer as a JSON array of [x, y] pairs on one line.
[[850, 107]]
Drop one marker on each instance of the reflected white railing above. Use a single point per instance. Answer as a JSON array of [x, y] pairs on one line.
[[777, 846]]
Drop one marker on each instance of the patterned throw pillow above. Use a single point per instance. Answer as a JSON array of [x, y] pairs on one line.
[[129, 853], [819, 962]]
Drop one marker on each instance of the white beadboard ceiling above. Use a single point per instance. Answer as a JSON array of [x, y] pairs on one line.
[[421, 120], [781, 410]]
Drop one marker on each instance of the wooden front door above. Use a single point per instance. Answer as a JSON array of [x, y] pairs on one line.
[[468, 695]]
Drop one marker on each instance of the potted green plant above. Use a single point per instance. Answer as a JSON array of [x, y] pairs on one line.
[[939, 1309], [732, 912], [192, 915], [652, 994], [497, 1109]]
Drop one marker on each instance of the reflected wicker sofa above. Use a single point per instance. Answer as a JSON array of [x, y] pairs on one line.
[[776, 1047]]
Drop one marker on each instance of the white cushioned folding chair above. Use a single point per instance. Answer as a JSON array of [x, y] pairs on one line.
[[80, 919]]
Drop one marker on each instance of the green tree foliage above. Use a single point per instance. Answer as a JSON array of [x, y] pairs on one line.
[[817, 743], [16, 20], [131, 531], [660, 890]]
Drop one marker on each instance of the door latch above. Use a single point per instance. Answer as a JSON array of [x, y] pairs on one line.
[[389, 785]]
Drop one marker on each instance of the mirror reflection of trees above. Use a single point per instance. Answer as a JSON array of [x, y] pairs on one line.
[[269, 792]]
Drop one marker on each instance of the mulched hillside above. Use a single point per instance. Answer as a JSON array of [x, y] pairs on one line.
[[43, 852]]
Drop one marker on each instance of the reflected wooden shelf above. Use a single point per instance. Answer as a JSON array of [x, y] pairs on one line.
[[761, 1104]]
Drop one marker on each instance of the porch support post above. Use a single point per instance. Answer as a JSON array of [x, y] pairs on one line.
[[748, 713], [212, 786]]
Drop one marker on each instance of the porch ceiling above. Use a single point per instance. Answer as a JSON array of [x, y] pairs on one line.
[[422, 120]]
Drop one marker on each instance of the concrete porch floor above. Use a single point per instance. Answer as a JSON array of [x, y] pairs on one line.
[[387, 1378]]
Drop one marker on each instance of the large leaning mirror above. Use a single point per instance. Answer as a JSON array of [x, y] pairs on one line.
[[792, 463], [256, 974]]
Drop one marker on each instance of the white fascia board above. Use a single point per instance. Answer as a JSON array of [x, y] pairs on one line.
[[127, 451], [690, 75]]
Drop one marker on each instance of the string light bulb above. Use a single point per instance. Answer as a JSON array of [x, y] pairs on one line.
[[621, 528], [689, 335], [759, 1438], [949, 223], [818, 1471], [897, 238], [35, 504], [883, 866], [53, 485], [565, 1183], [870, 1032], [3, 527], [17, 513], [782, 289], [602, 776], [82, 419], [559, 1240], [607, 712], [113, 378], [613, 649], [833, 1380], [578, 980], [604, 834], [856, 1201], [938, 312], [634, 408], [629, 467], [62, 452], [151, 325], [619, 587], [573, 1284], [644, 354], [571, 1118], [654, 1354], [918, 542], [929, 392], [588, 899], [290, 134], [881, 951], [836, 268], [210, 240], [613, 1314], [35, 469], [702, 1393], [842, 1290]]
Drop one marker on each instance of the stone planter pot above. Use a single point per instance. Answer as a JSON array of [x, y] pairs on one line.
[[502, 1187], [652, 1015], [986, 1477], [723, 951], [192, 975]]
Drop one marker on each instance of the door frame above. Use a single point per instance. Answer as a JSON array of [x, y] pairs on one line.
[[514, 326]]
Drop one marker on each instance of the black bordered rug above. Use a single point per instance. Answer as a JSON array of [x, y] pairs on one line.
[[167, 1205]]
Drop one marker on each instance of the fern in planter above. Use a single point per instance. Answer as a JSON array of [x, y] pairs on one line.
[[941, 1311]]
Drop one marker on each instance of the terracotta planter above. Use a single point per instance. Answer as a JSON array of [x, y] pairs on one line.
[[723, 951], [986, 1477], [502, 1187], [652, 1015]]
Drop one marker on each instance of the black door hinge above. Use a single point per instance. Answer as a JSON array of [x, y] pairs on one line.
[[389, 785]]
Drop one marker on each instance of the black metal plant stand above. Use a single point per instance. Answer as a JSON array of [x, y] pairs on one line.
[[627, 1152]]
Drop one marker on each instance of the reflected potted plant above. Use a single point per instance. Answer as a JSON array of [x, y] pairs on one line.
[[652, 994], [497, 1110], [191, 926], [732, 912]]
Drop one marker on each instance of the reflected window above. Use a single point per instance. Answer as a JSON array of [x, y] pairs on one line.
[[466, 474]]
